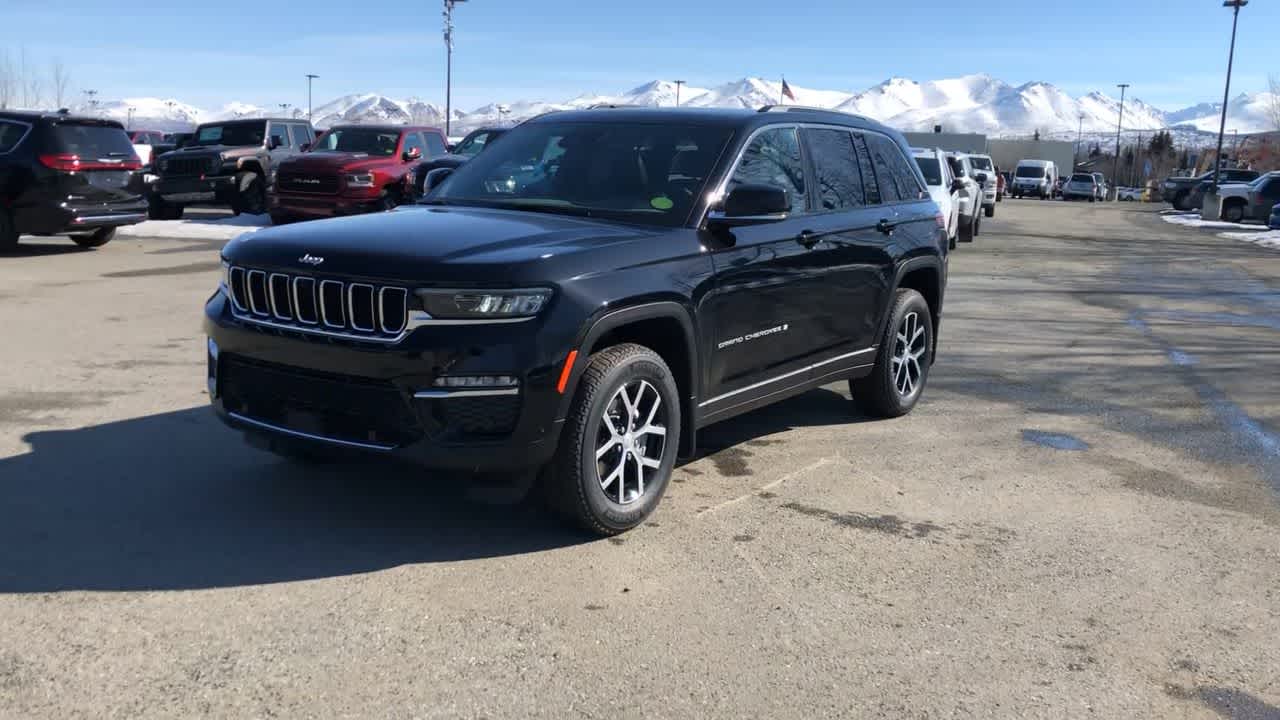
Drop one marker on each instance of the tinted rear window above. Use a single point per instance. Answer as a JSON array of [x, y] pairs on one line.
[[1082, 178], [10, 134], [932, 171], [91, 141]]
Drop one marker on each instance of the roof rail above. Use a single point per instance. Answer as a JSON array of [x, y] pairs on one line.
[[810, 108]]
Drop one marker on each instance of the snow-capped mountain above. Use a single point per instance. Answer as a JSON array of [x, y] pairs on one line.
[[971, 103]]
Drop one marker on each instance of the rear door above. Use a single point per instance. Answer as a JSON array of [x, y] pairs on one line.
[[768, 308], [92, 162]]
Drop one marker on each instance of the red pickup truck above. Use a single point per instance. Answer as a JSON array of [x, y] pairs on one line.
[[350, 169]]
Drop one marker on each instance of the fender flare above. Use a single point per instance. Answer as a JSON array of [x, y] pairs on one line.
[[613, 319], [924, 262]]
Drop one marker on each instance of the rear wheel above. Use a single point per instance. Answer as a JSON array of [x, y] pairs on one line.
[[388, 200], [902, 365], [159, 209], [8, 232], [989, 210], [251, 194], [279, 218], [1180, 201], [98, 238], [1233, 213], [619, 442]]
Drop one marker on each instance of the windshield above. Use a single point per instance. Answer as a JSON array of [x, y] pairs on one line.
[[980, 163], [1030, 171], [644, 173], [92, 141], [931, 169], [234, 134], [379, 143], [475, 142], [1082, 178]]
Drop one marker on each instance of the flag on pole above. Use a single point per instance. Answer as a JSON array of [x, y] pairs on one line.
[[786, 91]]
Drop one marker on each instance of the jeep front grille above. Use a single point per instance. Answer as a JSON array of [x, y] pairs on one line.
[[361, 311], [190, 166], [302, 182]]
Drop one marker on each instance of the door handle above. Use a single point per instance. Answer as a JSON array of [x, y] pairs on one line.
[[807, 238], [885, 226]]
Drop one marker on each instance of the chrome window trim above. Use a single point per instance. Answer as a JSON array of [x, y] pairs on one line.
[[271, 294], [351, 307], [21, 137], [309, 436], [786, 375], [382, 320], [324, 312], [315, 305], [248, 291]]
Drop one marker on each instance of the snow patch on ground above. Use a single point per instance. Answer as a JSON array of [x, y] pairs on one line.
[[1269, 239], [1192, 219], [197, 228]]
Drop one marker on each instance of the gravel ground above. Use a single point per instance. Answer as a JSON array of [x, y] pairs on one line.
[[1080, 519]]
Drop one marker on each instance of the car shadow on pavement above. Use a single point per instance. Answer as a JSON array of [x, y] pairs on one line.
[[177, 501], [53, 246]]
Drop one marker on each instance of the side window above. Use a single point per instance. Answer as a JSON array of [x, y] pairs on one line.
[[836, 166], [870, 182], [302, 135], [279, 131], [10, 134], [413, 140], [900, 168], [435, 144], [773, 158]]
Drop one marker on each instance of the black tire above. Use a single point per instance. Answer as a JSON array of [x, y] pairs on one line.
[[977, 226], [966, 230], [8, 232], [1093, 199], [572, 480], [1233, 213], [388, 200], [279, 218], [95, 239], [989, 210], [879, 394], [251, 194], [1180, 201], [159, 209], [951, 243]]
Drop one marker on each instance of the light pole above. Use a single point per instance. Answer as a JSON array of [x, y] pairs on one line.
[[310, 77], [1235, 5], [678, 84], [128, 123], [1079, 137], [1115, 173], [448, 67]]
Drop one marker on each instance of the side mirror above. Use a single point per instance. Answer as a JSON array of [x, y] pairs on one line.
[[304, 147], [957, 185], [435, 178], [412, 154], [273, 142], [981, 178], [752, 204]]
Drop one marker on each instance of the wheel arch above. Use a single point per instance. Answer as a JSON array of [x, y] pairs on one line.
[[667, 328], [926, 275]]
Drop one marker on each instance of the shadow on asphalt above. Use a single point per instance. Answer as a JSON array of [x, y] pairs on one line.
[[44, 247], [177, 501]]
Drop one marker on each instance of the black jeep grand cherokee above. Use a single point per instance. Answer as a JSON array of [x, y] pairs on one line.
[[586, 295]]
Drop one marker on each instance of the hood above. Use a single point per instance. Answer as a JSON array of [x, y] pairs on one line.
[[417, 244], [328, 160], [226, 151]]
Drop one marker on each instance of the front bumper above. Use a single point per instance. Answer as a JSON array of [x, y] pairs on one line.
[[195, 189], [281, 386], [1037, 189], [321, 206]]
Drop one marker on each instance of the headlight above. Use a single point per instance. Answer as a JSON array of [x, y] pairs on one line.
[[484, 304], [360, 180], [224, 282]]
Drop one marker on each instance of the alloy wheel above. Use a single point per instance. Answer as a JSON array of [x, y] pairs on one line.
[[909, 347], [630, 441]]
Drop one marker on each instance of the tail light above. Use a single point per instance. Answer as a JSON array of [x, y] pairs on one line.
[[70, 162]]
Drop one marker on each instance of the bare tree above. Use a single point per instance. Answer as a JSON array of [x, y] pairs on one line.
[[6, 78], [60, 79], [1273, 103]]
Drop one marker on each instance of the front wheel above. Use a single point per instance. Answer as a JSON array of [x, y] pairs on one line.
[[619, 442], [8, 231], [95, 239], [989, 210], [967, 229], [902, 366], [251, 194]]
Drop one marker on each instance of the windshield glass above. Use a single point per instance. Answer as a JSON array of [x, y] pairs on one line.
[[638, 172], [379, 143], [1030, 171], [92, 141], [1082, 178], [475, 142], [931, 169], [233, 134], [979, 163]]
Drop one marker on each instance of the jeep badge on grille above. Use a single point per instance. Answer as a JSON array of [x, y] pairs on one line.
[[310, 259]]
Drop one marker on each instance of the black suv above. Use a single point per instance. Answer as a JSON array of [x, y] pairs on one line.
[[585, 295], [229, 163], [65, 175]]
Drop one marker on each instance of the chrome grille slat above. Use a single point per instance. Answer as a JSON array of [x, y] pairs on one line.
[[283, 301]]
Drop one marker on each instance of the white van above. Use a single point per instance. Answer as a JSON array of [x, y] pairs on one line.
[[1035, 177]]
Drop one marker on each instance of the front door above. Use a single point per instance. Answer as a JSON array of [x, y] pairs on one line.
[[768, 306]]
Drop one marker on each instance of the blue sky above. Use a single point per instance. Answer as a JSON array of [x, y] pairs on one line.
[[1173, 52]]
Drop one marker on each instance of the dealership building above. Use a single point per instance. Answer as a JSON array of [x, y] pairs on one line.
[[1005, 153]]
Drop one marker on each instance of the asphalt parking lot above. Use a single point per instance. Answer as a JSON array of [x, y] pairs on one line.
[[1080, 520]]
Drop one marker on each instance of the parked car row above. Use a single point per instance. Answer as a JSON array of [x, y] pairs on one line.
[[1180, 192]]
